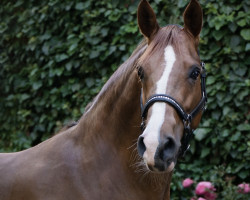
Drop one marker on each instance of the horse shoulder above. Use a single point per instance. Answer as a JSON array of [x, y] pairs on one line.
[[45, 171]]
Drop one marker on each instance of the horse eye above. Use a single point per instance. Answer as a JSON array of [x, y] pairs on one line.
[[140, 73], [194, 75]]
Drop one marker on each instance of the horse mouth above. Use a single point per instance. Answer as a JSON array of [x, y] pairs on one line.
[[161, 167]]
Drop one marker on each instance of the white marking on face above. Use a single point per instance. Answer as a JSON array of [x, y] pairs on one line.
[[152, 131]]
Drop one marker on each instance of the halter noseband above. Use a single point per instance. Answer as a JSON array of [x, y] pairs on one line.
[[186, 118]]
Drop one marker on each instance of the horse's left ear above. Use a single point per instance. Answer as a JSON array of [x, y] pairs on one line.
[[193, 18]]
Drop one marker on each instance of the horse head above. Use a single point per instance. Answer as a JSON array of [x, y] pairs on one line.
[[172, 95]]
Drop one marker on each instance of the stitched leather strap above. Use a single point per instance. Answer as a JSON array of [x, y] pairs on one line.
[[166, 99]]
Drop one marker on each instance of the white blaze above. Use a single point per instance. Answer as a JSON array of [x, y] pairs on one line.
[[152, 131]]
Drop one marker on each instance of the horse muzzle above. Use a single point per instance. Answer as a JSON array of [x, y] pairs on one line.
[[160, 159]]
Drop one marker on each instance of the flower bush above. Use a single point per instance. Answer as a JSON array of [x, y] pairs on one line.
[[244, 188], [205, 190]]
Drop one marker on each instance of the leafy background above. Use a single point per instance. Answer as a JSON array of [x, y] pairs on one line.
[[56, 55]]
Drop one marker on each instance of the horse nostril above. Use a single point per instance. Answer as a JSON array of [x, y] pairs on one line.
[[141, 146], [166, 150]]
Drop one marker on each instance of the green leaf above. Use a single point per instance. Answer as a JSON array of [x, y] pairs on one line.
[[242, 22], [82, 6], [37, 85], [75, 87], [244, 174], [235, 41], [61, 57], [104, 32], [210, 80], [226, 110], [235, 136], [112, 49], [241, 71], [225, 133], [24, 97], [218, 34], [59, 71], [68, 66], [247, 47], [233, 27], [201, 133], [122, 47], [205, 152], [214, 48], [243, 127], [245, 33], [72, 48], [182, 3], [242, 94], [45, 49], [94, 54], [90, 82]]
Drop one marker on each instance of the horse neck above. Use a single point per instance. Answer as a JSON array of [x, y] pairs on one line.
[[111, 125], [114, 115], [116, 109]]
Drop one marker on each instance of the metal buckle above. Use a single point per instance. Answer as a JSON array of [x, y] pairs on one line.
[[142, 125], [187, 122], [185, 151], [203, 64]]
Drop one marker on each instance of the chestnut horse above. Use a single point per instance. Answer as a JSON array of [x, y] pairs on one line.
[[96, 159]]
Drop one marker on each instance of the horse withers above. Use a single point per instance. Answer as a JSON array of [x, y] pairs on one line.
[[161, 87]]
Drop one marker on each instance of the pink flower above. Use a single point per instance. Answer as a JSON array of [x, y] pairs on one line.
[[187, 182], [244, 188], [206, 189], [200, 198], [203, 187]]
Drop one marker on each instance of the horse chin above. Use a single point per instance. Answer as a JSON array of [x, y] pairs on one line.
[[170, 167], [164, 169]]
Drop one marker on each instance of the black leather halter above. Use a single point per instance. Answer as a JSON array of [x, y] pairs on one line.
[[186, 117]]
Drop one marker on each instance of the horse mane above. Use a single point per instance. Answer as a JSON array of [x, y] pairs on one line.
[[121, 73], [67, 126], [128, 66]]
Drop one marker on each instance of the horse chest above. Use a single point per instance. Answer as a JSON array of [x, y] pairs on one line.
[[118, 180]]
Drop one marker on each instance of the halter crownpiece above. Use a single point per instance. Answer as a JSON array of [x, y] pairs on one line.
[[186, 117]]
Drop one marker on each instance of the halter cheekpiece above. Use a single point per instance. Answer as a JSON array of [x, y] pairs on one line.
[[186, 117]]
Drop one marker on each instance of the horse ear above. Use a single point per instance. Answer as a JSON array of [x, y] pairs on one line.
[[147, 19], [193, 18]]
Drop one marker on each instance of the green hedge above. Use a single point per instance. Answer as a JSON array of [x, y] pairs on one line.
[[56, 55]]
